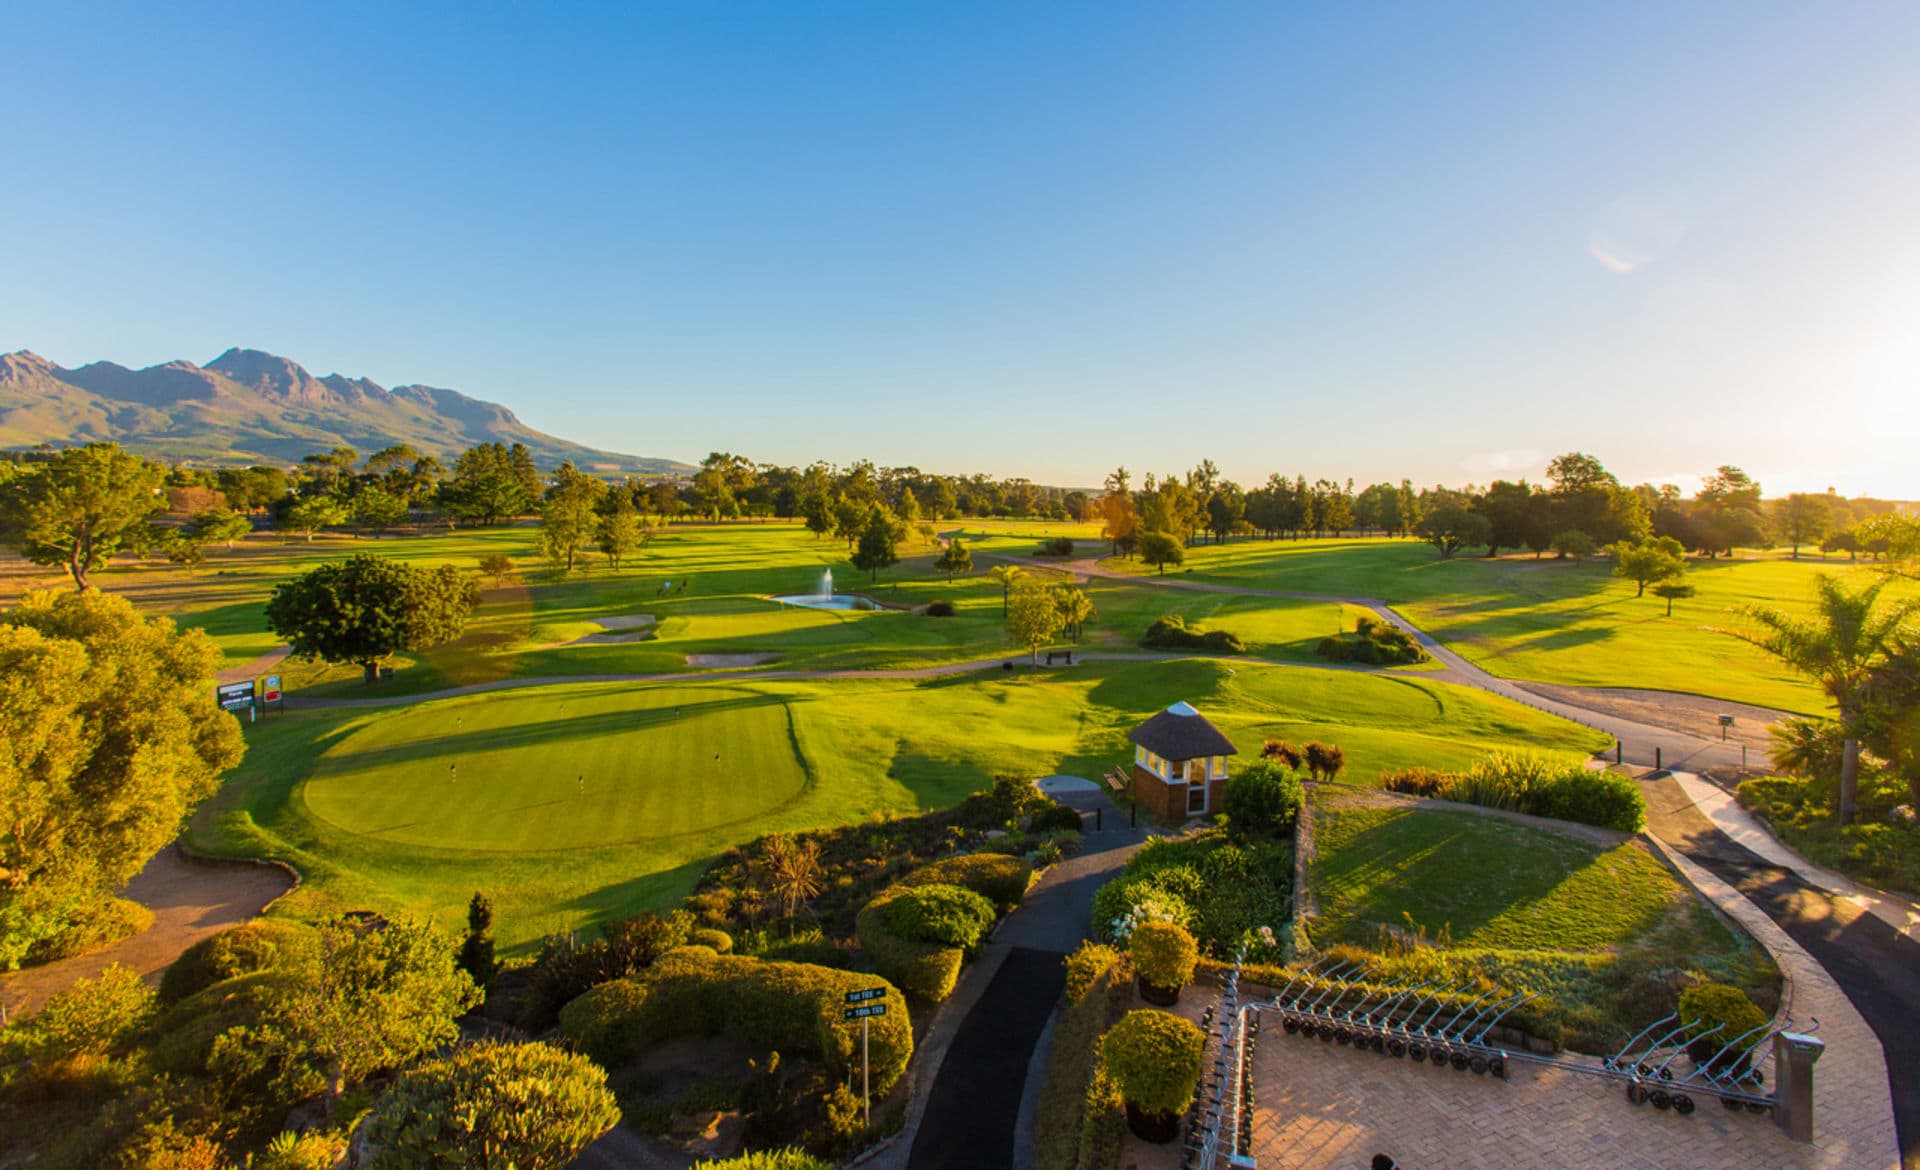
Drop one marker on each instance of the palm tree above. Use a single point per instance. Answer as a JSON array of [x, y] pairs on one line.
[[1075, 607], [1838, 650], [1006, 575]]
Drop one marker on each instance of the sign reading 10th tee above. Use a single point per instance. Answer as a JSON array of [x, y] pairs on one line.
[[869, 1003]]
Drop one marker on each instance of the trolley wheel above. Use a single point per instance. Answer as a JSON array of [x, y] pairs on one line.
[[1418, 1052], [1396, 1048], [1376, 1043], [1290, 1025], [1342, 1037], [1478, 1064], [1497, 1066], [1683, 1104], [1439, 1060], [1459, 1060], [1660, 1099]]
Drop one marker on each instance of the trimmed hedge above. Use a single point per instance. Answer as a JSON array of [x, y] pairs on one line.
[[785, 1007], [1000, 878], [719, 940], [239, 950], [928, 970], [940, 913], [1154, 1060], [1081, 1121], [1164, 954]]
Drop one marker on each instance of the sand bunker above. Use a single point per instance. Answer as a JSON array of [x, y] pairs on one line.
[[632, 621], [755, 659]]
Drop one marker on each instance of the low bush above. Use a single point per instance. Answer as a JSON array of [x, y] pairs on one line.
[[1373, 642], [939, 609], [1057, 546], [531, 1106], [719, 941], [239, 950], [998, 877], [1716, 1015], [1262, 800], [99, 925], [1527, 782], [925, 969], [787, 1159], [1414, 781], [1154, 1060], [567, 967], [1173, 633], [313, 1150], [90, 1018], [1218, 890], [1080, 1120], [785, 1007], [950, 915], [1163, 954], [1053, 816]]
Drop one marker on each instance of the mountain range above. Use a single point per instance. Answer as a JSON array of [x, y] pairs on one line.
[[248, 407]]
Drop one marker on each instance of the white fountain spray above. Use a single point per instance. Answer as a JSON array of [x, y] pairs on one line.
[[826, 585]]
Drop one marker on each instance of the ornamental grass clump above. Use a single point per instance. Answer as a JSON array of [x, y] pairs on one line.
[[1164, 956], [1153, 1058], [1707, 1005]]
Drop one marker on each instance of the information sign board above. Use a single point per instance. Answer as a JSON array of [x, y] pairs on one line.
[[233, 696]]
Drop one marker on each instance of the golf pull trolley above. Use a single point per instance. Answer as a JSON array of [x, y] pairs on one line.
[[1219, 1133], [1731, 1073], [1451, 1027], [1424, 1022]]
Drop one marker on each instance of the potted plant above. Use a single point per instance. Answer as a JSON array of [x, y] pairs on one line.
[[1708, 1004], [1153, 1058], [1163, 959]]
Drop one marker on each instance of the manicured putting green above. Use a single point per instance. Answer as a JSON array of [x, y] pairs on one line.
[[561, 768]]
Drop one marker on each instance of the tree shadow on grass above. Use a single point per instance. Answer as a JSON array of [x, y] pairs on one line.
[[659, 890], [557, 730]]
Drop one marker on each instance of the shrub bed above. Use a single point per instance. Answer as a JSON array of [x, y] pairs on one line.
[[99, 925], [1374, 642], [1080, 1122], [1538, 785], [1000, 878], [1219, 891], [239, 950], [785, 1007], [925, 969], [939, 913], [1173, 633], [1876, 849]]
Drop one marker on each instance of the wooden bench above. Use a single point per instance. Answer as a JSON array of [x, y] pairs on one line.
[[1053, 654]]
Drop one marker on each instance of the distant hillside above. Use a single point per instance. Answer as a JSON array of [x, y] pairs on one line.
[[251, 407]]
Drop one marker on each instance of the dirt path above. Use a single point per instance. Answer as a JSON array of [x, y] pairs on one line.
[[1676, 711], [190, 900]]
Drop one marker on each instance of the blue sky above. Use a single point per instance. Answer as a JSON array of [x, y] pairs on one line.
[[1354, 240]]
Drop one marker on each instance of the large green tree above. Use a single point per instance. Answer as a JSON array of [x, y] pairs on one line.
[[1658, 558], [365, 997], [1162, 549], [1033, 617], [368, 608], [1452, 527], [570, 515], [878, 540], [955, 558], [491, 1106], [81, 508], [1847, 640], [109, 737]]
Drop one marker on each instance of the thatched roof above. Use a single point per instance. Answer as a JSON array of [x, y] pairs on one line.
[[1182, 733]]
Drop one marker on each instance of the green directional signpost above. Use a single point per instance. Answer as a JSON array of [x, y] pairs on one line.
[[863, 1005]]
